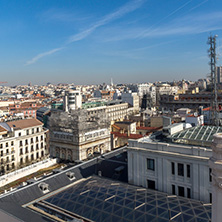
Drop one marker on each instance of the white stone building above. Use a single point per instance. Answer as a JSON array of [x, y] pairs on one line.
[[72, 100], [132, 99], [172, 168], [22, 142], [147, 88], [116, 112], [113, 111], [78, 134]]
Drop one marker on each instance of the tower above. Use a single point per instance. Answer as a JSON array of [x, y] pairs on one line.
[[213, 78], [72, 100]]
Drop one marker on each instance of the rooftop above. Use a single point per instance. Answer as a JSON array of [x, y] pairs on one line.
[[100, 199], [87, 197], [199, 135], [24, 123], [125, 135]]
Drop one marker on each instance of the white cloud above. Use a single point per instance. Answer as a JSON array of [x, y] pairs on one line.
[[127, 8], [186, 25], [41, 55]]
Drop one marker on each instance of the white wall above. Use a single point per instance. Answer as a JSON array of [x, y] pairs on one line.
[[163, 155], [17, 174]]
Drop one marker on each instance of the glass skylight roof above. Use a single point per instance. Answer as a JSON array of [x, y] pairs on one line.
[[199, 135], [100, 199]]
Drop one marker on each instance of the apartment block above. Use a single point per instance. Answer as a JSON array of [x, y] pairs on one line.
[[22, 142]]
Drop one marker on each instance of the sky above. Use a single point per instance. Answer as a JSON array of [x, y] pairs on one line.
[[92, 41]]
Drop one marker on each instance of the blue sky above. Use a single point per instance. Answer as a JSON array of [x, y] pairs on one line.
[[92, 41]]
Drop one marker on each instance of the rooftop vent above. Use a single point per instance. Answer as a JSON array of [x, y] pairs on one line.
[[71, 175], [56, 170], [31, 181], [44, 187]]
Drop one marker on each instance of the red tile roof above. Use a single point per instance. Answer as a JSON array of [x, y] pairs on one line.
[[124, 135], [115, 126], [24, 123], [151, 129], [2, 130]]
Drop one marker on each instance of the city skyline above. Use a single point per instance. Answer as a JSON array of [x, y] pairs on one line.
[[91, 42]]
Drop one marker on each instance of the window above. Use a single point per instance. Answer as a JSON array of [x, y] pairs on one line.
[[37, 146], [7, 151], [32, 149], [26, 150], [13, 165], [2, 153], [37, 129], [150, 164], [173, 168], [1, 145], [33, 131], [12, 143], [32, 157], [188, 193], [37, 155], [188, 171], [21, 151], [41, 137], [210, 197], [180, 169], [6, 144], [210, 176], [19, 134], [26, 142], [27, 132], [173, 190], [181, 191], [31, 140], [37, 139], [20, 143], [21, 160], [151, 184]]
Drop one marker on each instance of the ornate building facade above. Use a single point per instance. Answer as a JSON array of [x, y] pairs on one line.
[[76, 135]]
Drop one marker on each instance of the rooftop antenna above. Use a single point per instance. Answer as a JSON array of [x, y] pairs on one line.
[[213, 81]]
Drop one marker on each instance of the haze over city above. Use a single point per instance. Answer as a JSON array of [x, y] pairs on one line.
[[88, 42], [111, 110]]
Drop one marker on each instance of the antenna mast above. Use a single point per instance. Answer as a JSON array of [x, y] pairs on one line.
[[213, 76]]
